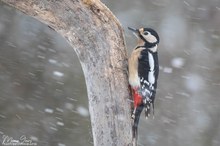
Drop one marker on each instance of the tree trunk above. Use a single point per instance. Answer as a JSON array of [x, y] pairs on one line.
[[97, 37]]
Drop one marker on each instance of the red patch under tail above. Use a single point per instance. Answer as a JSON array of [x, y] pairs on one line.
[[137, 98]]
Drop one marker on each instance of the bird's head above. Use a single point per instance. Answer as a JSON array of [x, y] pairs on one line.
[[148, 35]]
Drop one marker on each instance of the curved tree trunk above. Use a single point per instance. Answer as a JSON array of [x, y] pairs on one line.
[[97, 37]]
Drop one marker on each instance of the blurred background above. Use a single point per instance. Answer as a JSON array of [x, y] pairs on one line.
[[43, 92]]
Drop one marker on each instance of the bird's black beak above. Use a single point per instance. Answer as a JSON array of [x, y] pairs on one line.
[[133, 30]]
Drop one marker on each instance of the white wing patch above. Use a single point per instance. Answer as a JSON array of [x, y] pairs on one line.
[[151, 77]]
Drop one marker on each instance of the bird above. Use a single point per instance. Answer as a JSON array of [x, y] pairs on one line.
[[143, 68]]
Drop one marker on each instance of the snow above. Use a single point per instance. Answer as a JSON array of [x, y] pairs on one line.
[[178, 62], [65, 64], [19, 117], [82, 111], [20, 106], [61, 83], [183, 94], [69, 106], [41, 57], [167, 120], [34, 138], [72, 99], [203, 67], [214, 36], [59, 118], [216, 84], [31, 74], [60, 123], [48, 110], [168, 97], [186, 3], [2, 116], [202, 9], [61, 144], [29, 107], [167, 70], [53, 128], [194, 83], [52, 61], [16, 83], [58, 74], [10, 44], [41, 47], [52, 50], [59, 110]]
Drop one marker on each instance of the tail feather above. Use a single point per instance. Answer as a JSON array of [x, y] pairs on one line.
[[136, 116], [153, 107], [148, 107]]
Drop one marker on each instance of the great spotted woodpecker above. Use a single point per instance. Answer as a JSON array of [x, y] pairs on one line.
[[143, 73]]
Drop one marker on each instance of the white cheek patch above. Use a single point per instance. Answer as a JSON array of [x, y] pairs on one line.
[[150, 38]]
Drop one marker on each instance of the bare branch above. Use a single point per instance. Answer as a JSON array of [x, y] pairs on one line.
[[97, 37]]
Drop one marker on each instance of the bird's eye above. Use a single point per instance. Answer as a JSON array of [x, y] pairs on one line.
[[146, 33]]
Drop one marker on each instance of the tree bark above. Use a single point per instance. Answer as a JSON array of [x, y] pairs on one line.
[[97, 37]]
